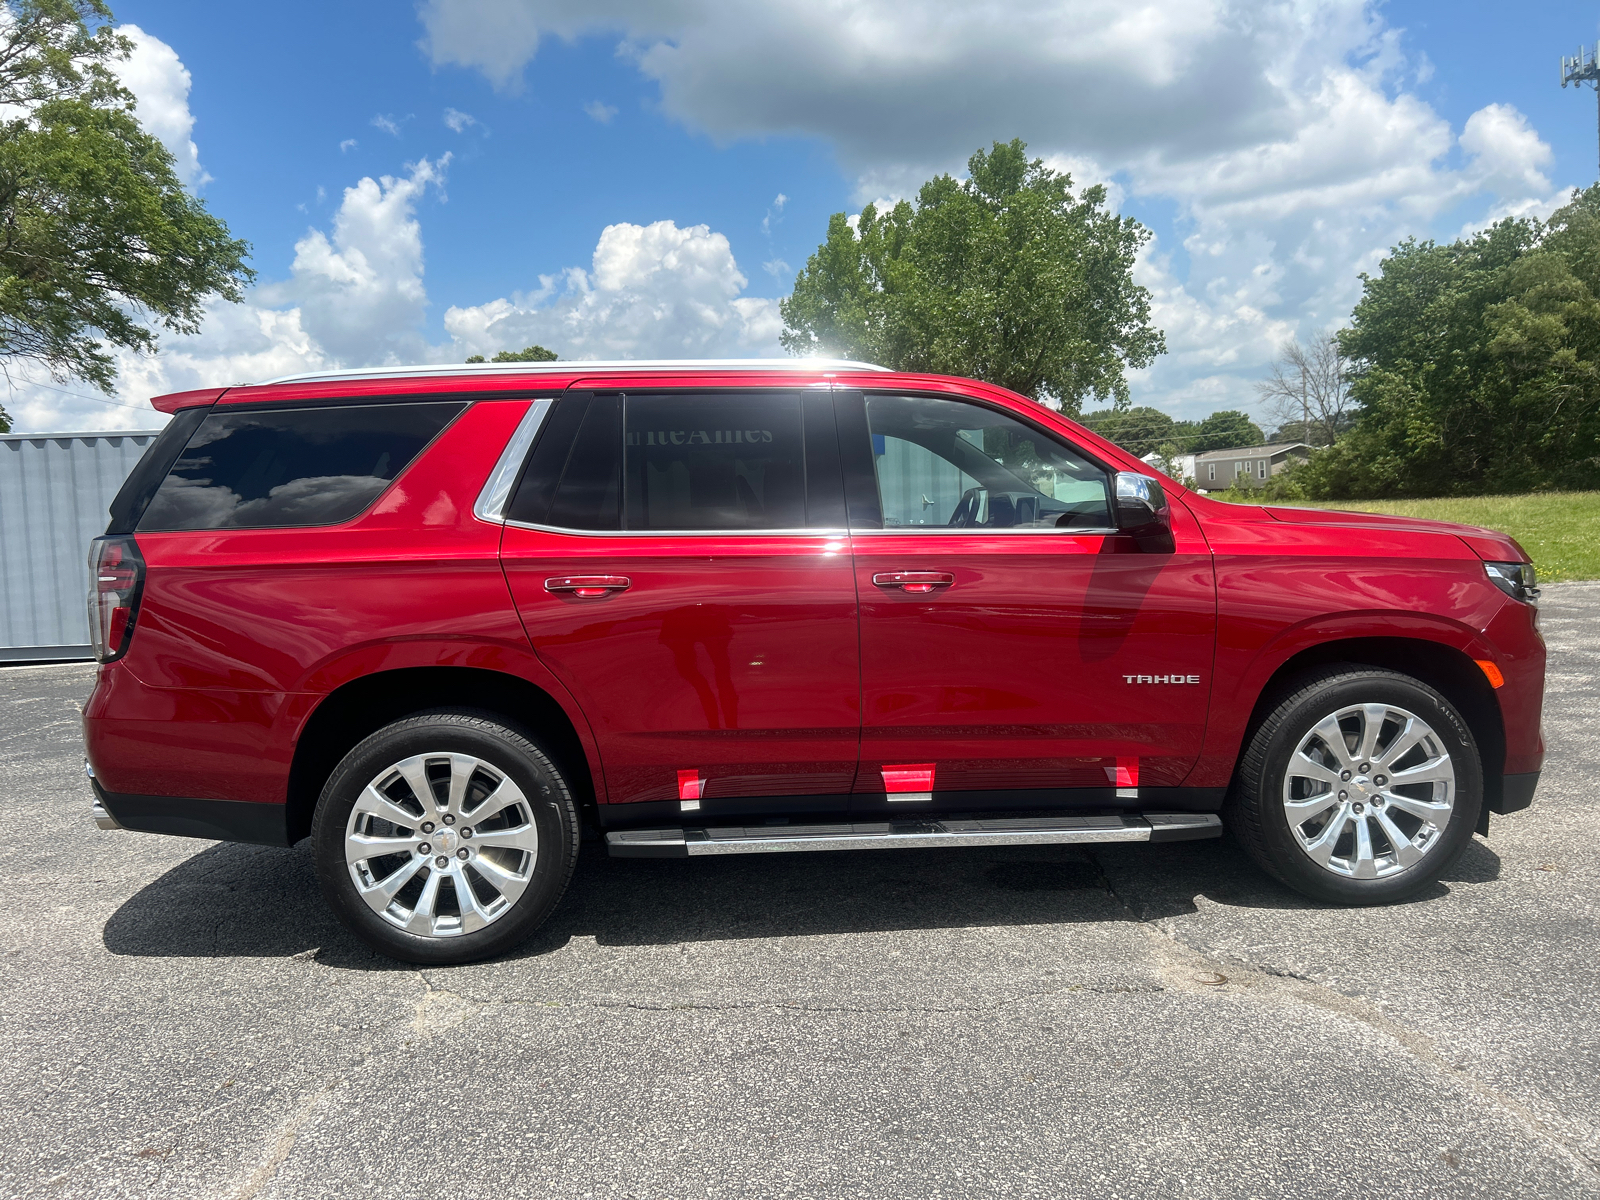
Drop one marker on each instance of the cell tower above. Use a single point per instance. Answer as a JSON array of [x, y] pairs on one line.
[[1582, 68]]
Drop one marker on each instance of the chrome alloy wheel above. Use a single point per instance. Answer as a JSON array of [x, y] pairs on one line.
[[1369, 791], [441, 844]]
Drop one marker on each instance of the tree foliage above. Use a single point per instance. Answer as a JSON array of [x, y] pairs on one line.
[[1476, 366], [1138, 430], [526, 354], [98, 238], [1006, 276], [1143, 430], [1225, 429]]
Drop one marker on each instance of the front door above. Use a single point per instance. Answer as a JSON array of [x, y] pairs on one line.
[[1015, 652], [680, 563]]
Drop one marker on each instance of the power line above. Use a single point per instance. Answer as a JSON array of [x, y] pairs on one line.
[[77, 395]]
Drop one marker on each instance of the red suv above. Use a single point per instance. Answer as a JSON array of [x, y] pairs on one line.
[[444, 620]]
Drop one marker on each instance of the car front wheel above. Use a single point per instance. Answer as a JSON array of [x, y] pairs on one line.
[[445, 837], [1361, 787]]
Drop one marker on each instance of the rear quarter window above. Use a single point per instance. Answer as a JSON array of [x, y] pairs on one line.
[[291, 467]]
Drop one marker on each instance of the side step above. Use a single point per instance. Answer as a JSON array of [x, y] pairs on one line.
[[906, 834]]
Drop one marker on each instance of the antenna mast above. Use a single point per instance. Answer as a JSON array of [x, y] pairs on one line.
[[1582, 68]]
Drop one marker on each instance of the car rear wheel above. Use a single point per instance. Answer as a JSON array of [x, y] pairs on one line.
[[1361, 787], [445, 837]]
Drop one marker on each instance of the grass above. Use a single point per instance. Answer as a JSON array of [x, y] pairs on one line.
[[1560, 530]]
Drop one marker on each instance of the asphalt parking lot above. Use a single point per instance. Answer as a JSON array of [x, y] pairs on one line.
[[181, 1018]]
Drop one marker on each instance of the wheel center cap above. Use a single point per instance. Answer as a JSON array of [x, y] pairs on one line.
[[1363, 785], [445, 841]]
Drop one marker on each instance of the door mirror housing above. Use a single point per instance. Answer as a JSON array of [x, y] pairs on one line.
[[1142, 512]]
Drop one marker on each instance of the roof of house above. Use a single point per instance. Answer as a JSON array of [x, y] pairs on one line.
[[1270, 450]]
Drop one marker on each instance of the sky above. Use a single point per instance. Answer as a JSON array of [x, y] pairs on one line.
[[643, 178]]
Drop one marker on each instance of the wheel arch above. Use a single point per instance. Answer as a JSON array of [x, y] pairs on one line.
[[363, 706], [1449, 671]]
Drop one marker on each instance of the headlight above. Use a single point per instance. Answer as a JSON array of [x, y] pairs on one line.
[[1514, 579]]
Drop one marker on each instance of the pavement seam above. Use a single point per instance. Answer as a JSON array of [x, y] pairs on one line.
[[1283, 984], [788, 1006], [287, 1133]]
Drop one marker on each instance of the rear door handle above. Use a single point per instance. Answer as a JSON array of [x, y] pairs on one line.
[[918, 582], [589, 587]]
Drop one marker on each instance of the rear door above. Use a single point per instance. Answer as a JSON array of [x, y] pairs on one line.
[[1016, 651], [680, 561]]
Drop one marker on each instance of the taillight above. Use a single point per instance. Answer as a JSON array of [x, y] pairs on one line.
[[116, 581]]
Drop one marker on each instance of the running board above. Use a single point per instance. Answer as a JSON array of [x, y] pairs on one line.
[[906, 834]]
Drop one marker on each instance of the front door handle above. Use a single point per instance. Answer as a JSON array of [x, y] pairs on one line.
[[589, 587], [917, 582]]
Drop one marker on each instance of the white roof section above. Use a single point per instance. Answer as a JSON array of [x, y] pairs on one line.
[[583, 366]]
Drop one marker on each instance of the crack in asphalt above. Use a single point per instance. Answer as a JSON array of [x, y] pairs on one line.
[[1285, 984], [287, 1133]]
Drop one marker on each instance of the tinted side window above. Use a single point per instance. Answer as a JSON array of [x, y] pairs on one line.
[[587, 496], [945, 464], [145, 479], [537, 488], [714, 462], [574, 476], [291, 467]]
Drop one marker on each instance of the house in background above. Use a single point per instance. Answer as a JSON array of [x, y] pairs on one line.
[[1247, 466], [1179, 468]]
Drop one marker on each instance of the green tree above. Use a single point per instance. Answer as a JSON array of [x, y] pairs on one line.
[[526, 354], [1137, 430], [1226, 429], [98, 238], [1005, 276], [1476, 366]]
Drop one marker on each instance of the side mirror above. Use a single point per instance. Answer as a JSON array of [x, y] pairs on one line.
[[1143, 512]]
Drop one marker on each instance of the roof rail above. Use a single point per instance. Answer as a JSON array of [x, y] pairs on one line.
[[583, 366]]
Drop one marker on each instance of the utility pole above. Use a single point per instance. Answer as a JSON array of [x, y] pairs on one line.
[[1582, 68]]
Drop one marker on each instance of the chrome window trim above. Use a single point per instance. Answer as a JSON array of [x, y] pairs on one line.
[[969, 530], [647, 533], [1097, 531], [496, 494]]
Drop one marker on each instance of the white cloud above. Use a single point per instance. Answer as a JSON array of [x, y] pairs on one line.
[[387, 124], [458, 121], [348, 144], [1282, 133], [777, 268], [1508, 156], [600, 112], [651, 291], [160, 83], [774, 213], [360, 291], [354, 297]]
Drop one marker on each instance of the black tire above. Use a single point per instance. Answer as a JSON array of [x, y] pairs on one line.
[[1256, 814], [511, 752]]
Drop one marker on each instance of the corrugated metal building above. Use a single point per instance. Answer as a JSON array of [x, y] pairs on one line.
[[55, 490]]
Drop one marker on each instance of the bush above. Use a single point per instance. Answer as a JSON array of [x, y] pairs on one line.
[[1476, 365]]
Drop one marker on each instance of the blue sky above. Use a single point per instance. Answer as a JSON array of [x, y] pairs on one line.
[[422, 182]]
